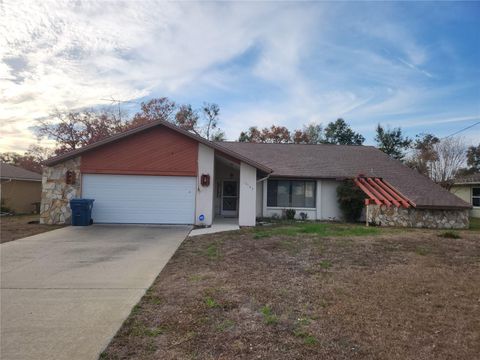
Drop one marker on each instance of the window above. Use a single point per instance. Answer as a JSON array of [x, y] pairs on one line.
[[291, 193], [476, 196]]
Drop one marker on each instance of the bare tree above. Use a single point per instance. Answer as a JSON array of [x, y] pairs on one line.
[[450, 158]]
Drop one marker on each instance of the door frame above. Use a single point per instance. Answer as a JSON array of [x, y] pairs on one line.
[[229, 213]]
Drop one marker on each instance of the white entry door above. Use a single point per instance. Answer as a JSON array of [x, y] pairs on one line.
[[229, 198], [138, 199]]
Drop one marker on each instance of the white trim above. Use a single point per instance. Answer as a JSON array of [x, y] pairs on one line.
[[290, 207]]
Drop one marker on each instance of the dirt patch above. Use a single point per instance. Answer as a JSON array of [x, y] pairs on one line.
[[20, 226], [392, 295]]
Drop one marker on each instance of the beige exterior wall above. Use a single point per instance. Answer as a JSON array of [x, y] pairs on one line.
[[464, 192], [248, 194], [204, 196], [19, 195]]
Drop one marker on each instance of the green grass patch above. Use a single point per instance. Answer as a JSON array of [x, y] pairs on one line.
[[225, 325], [422, 250], [325, 264], [474, 224], [319, 229], [142, 330], [268, 316], [212, 251], [308, 339], [450, 235], [211, 303]]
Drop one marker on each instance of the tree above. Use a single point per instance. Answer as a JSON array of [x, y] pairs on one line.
[[30, 160], [340, 133], [424, 153], [392, 142], [72, 130], [252, 135], [451, 154], [210, 129], [274, 135], [473, 158], [439, 159], [310, 134], [187, 118], [155, 109]]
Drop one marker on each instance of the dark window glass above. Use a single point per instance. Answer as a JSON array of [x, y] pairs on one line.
[[291, 193], [476, 196]]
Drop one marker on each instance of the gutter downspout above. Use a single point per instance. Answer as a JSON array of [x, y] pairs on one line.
[[263, 179]]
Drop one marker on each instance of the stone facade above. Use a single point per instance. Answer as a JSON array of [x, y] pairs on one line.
[[56, 193], [419, 218]]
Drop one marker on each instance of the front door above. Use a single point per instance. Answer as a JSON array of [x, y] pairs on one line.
[[229, 198]]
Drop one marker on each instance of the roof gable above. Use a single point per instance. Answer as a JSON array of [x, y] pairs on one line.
[[71, 154]]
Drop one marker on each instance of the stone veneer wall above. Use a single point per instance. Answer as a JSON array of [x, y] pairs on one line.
[[56, 193], [419, 218]]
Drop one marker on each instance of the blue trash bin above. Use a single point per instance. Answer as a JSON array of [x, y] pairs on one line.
[[81, 211]]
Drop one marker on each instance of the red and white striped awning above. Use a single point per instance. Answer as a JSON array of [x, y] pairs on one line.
[[381, 192]]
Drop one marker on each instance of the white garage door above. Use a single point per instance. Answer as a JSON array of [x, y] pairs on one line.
[[136, 199]]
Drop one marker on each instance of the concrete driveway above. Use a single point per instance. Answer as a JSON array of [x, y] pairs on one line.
[[65, 293]]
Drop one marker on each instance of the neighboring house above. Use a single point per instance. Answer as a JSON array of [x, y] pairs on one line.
[[159, 173], [467, 188], [20, 189]]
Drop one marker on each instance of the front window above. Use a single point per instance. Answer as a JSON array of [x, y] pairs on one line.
[[291, 193], [476, 196]]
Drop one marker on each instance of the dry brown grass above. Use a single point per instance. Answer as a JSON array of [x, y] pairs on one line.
[[17, 227], [396, 295]]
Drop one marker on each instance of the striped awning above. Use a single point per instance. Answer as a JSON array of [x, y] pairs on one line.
[[381, 192]]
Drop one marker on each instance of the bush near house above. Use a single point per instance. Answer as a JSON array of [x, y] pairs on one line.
[[351, 200]]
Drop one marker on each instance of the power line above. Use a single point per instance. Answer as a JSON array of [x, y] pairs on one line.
[[459, 131]]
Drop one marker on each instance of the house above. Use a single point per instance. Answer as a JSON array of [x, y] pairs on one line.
[[20, 189], [467, 188], [159, 173]]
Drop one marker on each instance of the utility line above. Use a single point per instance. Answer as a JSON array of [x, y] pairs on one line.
[[459, 131]]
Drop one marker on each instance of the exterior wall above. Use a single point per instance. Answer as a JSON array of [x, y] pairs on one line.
[[248, 193], [56, 194], [158, 151], [464, 192], [326, 204], [19, 195], [419, 218], [204, 197], [259, 199]]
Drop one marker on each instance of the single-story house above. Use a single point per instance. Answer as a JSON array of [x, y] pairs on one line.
[[467, 188], [20, 189], [159, 173]]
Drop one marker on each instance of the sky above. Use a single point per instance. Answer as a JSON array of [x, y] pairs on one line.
[[413, 65]]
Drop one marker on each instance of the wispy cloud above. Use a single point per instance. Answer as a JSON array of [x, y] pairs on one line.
[[264, 63]]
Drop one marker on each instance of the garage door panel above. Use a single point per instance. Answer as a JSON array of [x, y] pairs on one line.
[[141, 199]]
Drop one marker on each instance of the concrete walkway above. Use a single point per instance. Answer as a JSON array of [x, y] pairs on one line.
[[65, 293], [219, 225]]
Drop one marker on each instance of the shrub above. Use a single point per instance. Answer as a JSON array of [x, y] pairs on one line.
[[290, 214], [303, 216], [351, 200]]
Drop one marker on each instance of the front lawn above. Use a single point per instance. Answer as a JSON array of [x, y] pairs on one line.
[[311, 291], [20, 226]]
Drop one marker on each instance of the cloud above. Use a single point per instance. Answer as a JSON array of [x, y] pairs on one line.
[[264, 63]]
